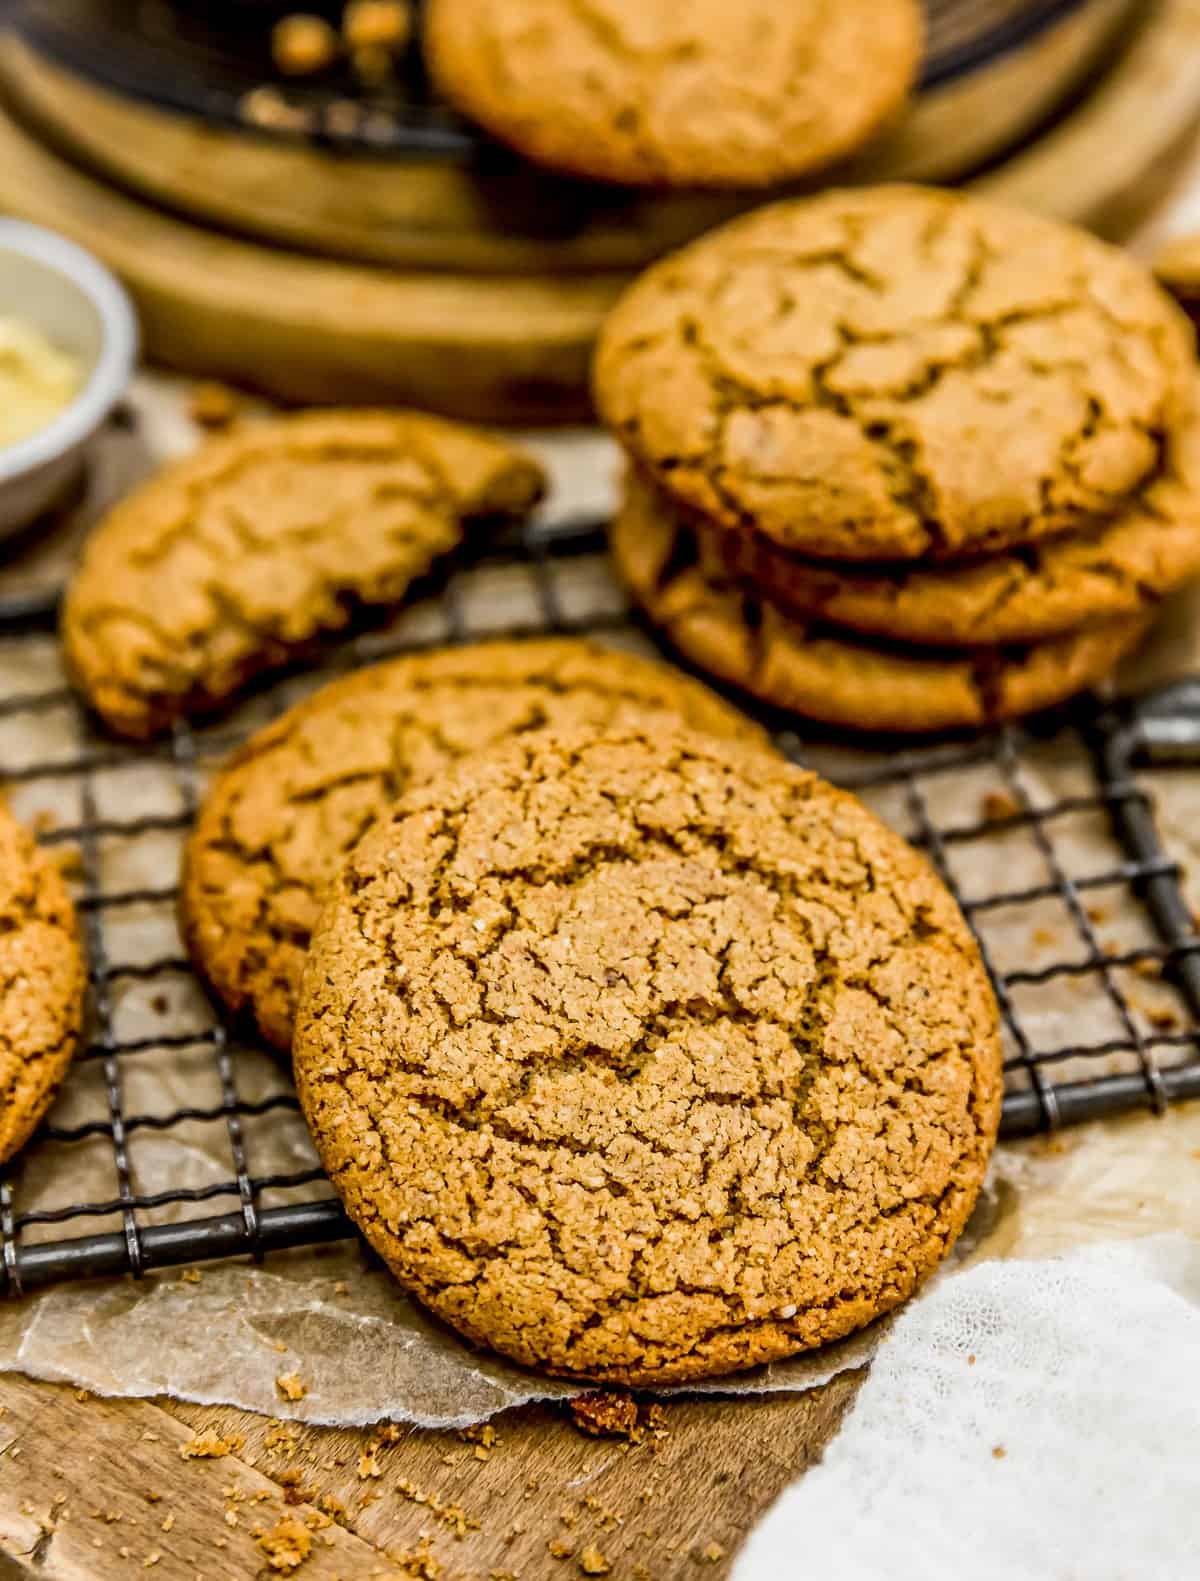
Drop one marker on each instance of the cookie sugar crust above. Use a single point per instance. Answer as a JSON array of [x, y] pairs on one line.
[[897, 373], [645, 1060]]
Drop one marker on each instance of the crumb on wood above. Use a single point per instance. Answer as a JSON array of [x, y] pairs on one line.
[[452, 1516], [341, 1288], [605, 1518], [601, 1414], [151, 1559], [368, 1463], [191, 1276], [997, 806], [168, 1521], [302, 44], [559, 1548], [592, 1562], [210, 1445], [290, 1385], [280, 1435], [212, 405], [287, 1544], [419, 1564], [712, 1553]]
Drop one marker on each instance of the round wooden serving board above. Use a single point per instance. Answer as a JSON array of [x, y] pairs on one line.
[[514, 347], [494, 212]]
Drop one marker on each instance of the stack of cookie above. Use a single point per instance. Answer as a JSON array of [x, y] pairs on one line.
[[902, 459]]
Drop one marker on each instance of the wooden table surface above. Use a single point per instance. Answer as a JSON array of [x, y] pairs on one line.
[[93, 1488]]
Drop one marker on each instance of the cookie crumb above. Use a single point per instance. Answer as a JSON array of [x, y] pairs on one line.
[[1150, 967], [168, 1522], [290, 1386], [287, 1545], [212, 405], [151, 1559], [210, 1445], [341, 1288], [280, 1435], [592, 1562], [712, 1553], [999, 1452], [601, 1414], [302, 44], [997, 806], [368, 1463], [1163, 1020], [191, 1276], [559, 1548]]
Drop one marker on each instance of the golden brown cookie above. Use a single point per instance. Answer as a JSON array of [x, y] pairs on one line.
[[658, 93], [1115, 569], [739, 635], [293, 801], [42, 984], [237, 559], [645, 1058], [897, 373]]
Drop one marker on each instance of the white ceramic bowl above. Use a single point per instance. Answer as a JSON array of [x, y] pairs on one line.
[[71, 297]]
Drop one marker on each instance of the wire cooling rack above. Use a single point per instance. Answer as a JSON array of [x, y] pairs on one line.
[[1046, 834]]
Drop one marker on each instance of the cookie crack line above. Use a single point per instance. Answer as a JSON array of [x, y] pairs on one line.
[[716, 367], [791, 1094]]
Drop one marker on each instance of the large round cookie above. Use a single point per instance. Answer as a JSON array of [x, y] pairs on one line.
[[42, 983], [738, 634], [897, 373], [1116, 569], [645, 1058], [238, 558], [661, 93], [293, 801]]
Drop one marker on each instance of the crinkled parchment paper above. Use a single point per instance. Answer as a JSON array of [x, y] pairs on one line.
[[226, 1332]]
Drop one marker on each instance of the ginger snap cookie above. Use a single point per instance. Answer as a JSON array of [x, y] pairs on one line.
[[289, 806], [42, 983], [1118, 568], [238, 558], [737, 633], [647, 1057], [897, 373], [652, 92]]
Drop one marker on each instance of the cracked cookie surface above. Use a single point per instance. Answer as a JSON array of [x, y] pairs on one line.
[[237, 559], [1119, 568], [647, 1057], [656, 93], [897, 373], [736, 632], [293, 801], [42, 983]]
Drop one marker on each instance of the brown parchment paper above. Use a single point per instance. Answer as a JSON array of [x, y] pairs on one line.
[[226, 1332]]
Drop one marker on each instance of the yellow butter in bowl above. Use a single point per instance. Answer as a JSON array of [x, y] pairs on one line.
[[37, 380]]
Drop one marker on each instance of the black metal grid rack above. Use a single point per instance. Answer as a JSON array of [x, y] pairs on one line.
[[1021, 798]]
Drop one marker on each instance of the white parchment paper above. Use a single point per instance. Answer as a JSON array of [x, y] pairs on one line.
[[359, 1349]]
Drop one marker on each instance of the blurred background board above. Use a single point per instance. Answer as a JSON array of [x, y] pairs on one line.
[[395, 254]]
